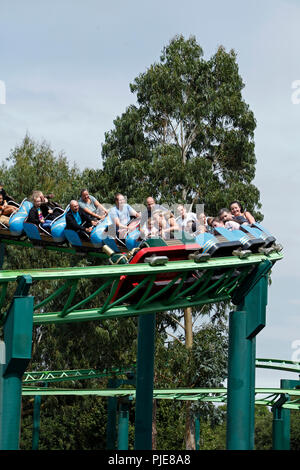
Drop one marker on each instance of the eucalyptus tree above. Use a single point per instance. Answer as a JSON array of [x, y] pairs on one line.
[[189, 137]]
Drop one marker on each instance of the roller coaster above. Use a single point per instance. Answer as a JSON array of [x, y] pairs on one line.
[[140, 277], [134, 249], [220, 243]]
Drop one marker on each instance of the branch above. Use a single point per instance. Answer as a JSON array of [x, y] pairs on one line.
[[174, 133], [175, 319], [175, 337], [190, 139], [198, 314]]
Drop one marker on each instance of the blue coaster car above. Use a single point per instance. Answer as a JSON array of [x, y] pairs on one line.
[[248, 241], [103, 234], [32, 231], [58, 227], [95, 242], [16, 221], [100, 235], [75, 240], [132, 239], [217, 245], [259, 231], [98, 238], [38, 235]]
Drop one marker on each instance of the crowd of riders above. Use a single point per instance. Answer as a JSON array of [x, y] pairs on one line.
[[155, 220]]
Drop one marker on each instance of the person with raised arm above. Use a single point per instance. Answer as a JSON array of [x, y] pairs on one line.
[[91, 206]]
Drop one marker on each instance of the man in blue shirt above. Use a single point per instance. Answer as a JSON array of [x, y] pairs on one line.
[[121, 214]]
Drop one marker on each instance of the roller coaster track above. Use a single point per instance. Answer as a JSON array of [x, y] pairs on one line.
[[31, 377], [263, 396], [55, 248], [76, 374], [277, 364], [215, 280]]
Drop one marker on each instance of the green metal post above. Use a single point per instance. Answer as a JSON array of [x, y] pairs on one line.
[[252, 393], [123, 426], [144, 383], [286, 413], [286, 431], [18, 339], [111, 427], [281, 419], [244, 324], [277, 429], [239, 379], [36, 422]]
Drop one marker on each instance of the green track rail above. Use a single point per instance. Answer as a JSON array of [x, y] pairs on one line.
[[55, 248], [46, 376], [263, 396], [277, 364], [76, 374], [216, 280]]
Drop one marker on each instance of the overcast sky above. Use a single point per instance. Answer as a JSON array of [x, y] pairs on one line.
[[66, 66]]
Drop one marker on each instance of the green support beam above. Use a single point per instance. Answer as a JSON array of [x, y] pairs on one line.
[[18, 339], [281, 416], [56, 248], [36, 422], [111, 425], [123, 425], [244, 324], [144, 383]]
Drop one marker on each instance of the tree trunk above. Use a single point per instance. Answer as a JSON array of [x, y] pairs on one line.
[[190, 442], [188, 328], [154, 429]]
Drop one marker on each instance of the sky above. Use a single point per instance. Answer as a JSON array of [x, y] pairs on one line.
[[65, 70]]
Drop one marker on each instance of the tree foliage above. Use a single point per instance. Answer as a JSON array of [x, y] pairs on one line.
[[189, 137], [65, 423]]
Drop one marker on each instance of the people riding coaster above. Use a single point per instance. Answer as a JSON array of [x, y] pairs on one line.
[[5, 210], [91, 205], [121, 217], [123, 224], [79, 221], [36, 215]]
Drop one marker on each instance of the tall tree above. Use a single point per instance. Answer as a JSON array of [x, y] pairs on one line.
[[191, 134], [189, 138]]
